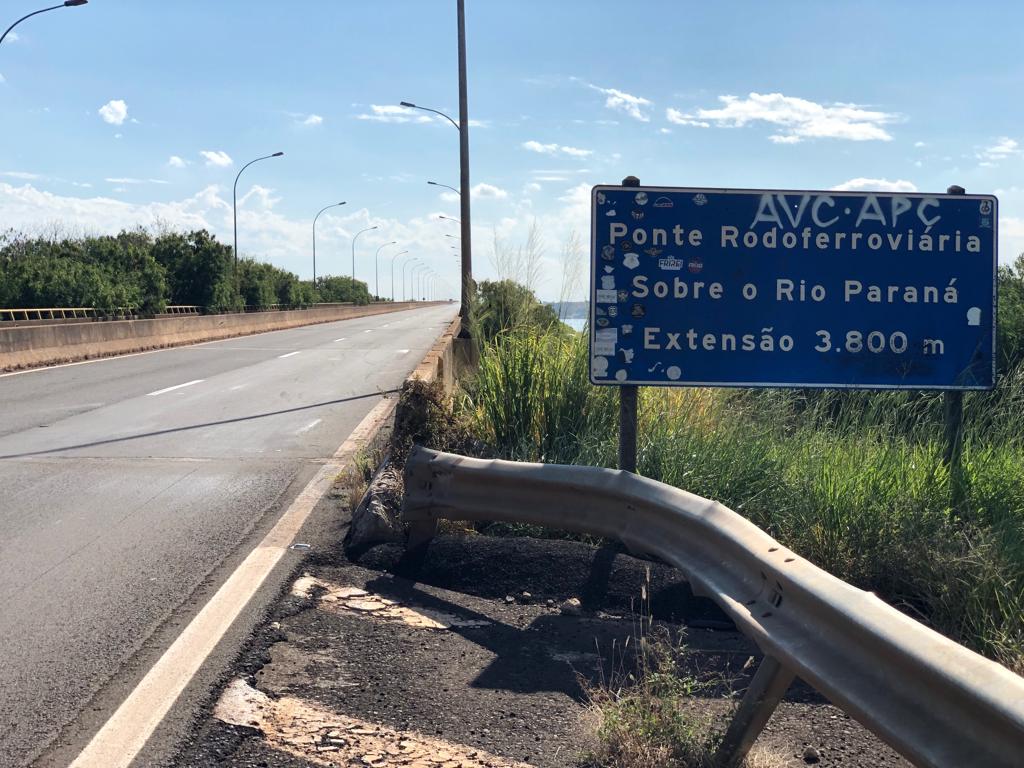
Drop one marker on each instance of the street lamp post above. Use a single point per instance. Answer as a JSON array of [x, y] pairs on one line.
[[65, 4], [393, 273], [332, 205], [357, 234], [413, 260], [414, 280], [409, 260], [376, 270], [234, 206], [463, 128]]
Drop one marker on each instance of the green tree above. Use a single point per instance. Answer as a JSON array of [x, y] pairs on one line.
[[339, 289], [200, 270], [1010, 338], [502, 305]]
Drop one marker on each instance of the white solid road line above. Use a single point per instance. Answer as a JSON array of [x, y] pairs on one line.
[[308, 427], [125, 734], [176, 386], [282, 357], [341, 339]]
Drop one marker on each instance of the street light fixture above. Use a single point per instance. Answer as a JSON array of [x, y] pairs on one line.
[[376, 271], [357, 234], [66, 4], [234, 206], [393, 273], [410, 105], [448, 218], [453, 189], [327, 208]]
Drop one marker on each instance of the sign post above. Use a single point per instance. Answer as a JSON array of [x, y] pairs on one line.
[[953, 419], [628, 396], [777, 288]]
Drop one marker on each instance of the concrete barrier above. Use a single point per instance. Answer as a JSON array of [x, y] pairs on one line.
[[28, 347], [439, 362]]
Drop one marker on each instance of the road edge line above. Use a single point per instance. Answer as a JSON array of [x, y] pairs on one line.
[[124, 735]]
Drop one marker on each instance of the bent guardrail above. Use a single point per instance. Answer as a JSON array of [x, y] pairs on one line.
[[934, 701]]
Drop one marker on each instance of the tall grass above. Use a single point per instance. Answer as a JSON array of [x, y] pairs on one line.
[[855, 482]]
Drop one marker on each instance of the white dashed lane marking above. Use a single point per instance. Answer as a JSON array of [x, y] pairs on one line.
[[282, 357], [308, 427], [176, 386]]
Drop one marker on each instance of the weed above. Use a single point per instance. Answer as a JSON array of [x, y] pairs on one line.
[[853, 481], [649, 710]]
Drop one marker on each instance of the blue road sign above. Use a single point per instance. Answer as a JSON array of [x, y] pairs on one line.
[[772, 288]]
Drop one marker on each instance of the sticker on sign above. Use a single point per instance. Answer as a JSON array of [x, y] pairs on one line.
[[784, 288]]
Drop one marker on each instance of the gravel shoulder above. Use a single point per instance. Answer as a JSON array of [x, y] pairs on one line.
[[371, 664]]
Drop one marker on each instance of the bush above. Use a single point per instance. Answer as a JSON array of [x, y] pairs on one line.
[[854, 481], [340, 290]]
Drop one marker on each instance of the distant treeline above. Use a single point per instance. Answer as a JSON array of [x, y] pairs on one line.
[[143, 272]]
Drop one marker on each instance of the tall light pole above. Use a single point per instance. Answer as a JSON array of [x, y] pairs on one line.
[[376, 270], [327, 208], [234, 206], [357, 234], [413, 260], [409, 259], [463, 128], [65, 4], [393, 273], [414, 280]]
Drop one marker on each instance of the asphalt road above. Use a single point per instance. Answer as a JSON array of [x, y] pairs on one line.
[[125, 483]]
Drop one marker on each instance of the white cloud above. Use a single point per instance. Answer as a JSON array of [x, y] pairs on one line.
[[577, 152], [554, 149], [2, 78], [176, 162], [544, 149], [799, 118], [313, 120], [919, 144], [13, 37], [876, 185], [1003, 148], [532, 187], [114, 112], [387, 113], [625, 102], [21, 175], [680, 118], [127, 180], [488, 191], [216, 158]]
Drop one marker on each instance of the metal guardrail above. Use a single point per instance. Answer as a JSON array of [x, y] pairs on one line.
[[47, 313], [934, 701], [57, 314]]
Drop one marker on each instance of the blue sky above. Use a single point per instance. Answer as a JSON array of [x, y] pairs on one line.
[[127, 112]]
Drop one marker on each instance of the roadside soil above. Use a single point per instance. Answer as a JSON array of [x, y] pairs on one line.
[[446, 663]]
